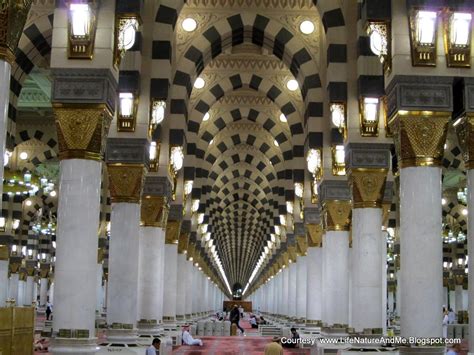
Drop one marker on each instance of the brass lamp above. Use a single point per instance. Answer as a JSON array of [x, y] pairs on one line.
[[82, 26]]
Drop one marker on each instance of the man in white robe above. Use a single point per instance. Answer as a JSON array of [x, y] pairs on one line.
[[188, 339]]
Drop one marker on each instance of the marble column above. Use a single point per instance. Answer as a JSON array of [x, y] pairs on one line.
[[79, 194], [150, 294], [13, 286], [188, 284], [43, 292], [335, 196], [285, 292], [314, 295], [292, 290], [126, 176], [99, 295], [21, 291], [29, 290], [367, 167], [181, 288], [301, 287], [459, 298], [419, 135], [3, 275], [5, 73]]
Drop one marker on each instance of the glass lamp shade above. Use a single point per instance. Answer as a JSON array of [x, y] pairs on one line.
[[80, 19], [126, 104], [426, 27], [128, 29], [313, 161], [176, 158]]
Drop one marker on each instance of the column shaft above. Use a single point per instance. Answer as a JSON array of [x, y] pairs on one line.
[[301, 286], [170, 285], [292, 290], [3, 282], [75, 268], [420, 228], [181, 287], [43, 292], [5, 73], [29, 290]]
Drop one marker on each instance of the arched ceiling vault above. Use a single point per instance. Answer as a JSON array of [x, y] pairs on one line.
[[243, 151]]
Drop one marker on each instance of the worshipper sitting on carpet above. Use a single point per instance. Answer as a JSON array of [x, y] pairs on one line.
[[253, 322], [274, 348], [40, 345], [188, 339], [262, 320], [154, 348]]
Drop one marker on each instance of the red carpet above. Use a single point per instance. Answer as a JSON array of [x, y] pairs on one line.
[[237, 345]]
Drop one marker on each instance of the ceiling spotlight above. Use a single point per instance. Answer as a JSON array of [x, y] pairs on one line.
[[276, 143], [189, 24], [464, 212], [307, 27], [23, 155], [292, 85], [206, 116], [52, 193], [199, 83], [28, 202], [443, 201], [283, 118]]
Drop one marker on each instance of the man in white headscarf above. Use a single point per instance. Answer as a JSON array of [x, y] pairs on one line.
[[188, 339]]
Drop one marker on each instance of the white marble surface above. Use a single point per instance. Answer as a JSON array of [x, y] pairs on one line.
[[75, 268], [13, 285], [43, 291], [366, 271], [21, 293], [301, 283], [285, 291], [170, 286], [292, 290], [336, 282], [187, 278], [123, 264], [458, 298], [181, 286], [99, 303], [421, 252], [5, 72], [314, 283], [29, 290], [3, 282], [150, 294]]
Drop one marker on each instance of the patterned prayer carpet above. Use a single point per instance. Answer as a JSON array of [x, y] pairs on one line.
[[236, 345]]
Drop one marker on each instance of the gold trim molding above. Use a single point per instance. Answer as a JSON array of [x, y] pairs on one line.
[[465, 132], [126, 182], [172, 232], [315, 235], [419, 137], [82, 131], [368, 187]]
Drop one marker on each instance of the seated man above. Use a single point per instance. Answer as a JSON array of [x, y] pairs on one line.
[[262, 320], [293, 341], [253, 322], [188, 339]]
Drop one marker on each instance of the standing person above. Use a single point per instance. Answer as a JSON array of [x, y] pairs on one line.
[[445, 324], [451, 316], [49, 310], [241, 311], [235, 318], [154, 349]]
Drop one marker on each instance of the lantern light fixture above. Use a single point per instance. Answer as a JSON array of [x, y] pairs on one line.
[[369, 116], [206, 117], [81, 29], [338, 160], [199, 83], [188, 187], [283, 118], [299, 189], [158, 108], [423, 32], [338, 115], [457, 29], [126, 27]]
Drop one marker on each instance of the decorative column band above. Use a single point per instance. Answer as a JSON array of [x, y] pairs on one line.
[[172, 232], [126, 182], [337, 215], [420, 137], [154, 211], [13, 15], [82, 130], [315, 235]]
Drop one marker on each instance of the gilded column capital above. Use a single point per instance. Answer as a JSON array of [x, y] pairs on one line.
[[15, 264], [44, 270], [337, 206], [4, 254], [126, 182], [315, 235], [30, 267], [419, 137], [13, 15], [183, 239], [172, 232], [82, 130], [302, 245], [154, 211], [465, 133], [367, 165]]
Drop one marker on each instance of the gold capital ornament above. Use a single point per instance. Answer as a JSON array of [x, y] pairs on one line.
[[301, 245], [368, 187], [125, 182], [419, 137], [465, 132], [337, 215], [154, 211], [183, 242], [172, 232], [4, 252], [315, 235], [13, 15], [82, 131]]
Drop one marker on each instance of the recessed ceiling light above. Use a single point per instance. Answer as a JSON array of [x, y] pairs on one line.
[[23, 155], [307, 27], [189, 24], [52, 193], [464, 212], [292, 85], [276, 143], [206, 116], [212, 141], [283, 118], [28, 202], [199, 83]]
